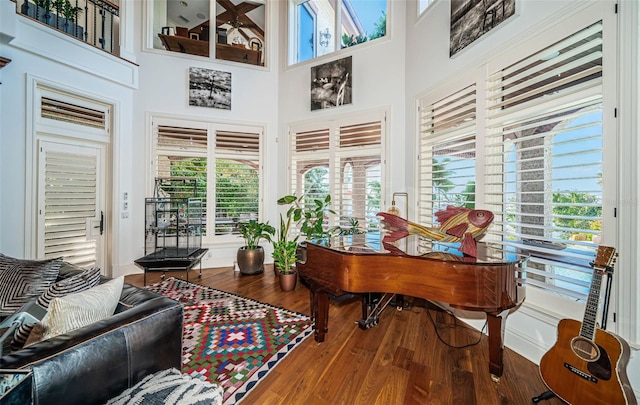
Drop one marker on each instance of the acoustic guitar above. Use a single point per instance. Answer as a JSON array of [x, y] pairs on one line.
[[587, 365]]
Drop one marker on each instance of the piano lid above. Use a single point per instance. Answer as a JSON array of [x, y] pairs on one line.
[[419, 246]]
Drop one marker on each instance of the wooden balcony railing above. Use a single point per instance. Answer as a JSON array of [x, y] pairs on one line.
[[95, 22]]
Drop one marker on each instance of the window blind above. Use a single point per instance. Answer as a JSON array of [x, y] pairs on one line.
[[447, 157], [70, 201], [237, 188], [344, 159], [182, 160], [544, 160]]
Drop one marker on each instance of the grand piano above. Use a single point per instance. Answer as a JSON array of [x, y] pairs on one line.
[[492, 283]]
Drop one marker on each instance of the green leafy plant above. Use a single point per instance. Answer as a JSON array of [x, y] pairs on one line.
[[68, 10], [352, 229], [309, 213], [253, 231], [284, 248]]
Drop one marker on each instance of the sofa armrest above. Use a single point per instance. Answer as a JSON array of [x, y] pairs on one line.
[[97, 362]]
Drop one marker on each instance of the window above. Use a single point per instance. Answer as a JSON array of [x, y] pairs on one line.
[[544, 160], [541, 158], [343, 158], [319, 30], [215, 162], [423, 5], [236, 35]]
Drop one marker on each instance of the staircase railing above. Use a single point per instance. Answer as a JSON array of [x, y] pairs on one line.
[[95, 22]]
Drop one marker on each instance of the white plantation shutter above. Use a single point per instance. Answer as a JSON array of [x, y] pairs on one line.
[[309, 165], [73, 113], [544, 160], [181, 163], [70, 197], [358, 174], [344, 159], [229, 188], [237, 179], [447, 153]]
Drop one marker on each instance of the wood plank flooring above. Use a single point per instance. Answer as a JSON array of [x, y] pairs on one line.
[[400, 361]]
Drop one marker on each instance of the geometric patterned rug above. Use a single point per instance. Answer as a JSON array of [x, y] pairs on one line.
[[232, 340]]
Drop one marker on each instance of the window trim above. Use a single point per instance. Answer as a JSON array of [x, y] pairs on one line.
[[211, 125]]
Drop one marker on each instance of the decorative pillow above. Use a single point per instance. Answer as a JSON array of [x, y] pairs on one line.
[[83, 281], [170, 387], [22, 281], [74, 311]]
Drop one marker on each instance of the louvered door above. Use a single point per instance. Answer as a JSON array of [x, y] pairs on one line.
[[71, 220]]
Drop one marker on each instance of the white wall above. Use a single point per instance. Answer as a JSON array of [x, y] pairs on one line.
[[163, 89], [378, 83], [39, 53]]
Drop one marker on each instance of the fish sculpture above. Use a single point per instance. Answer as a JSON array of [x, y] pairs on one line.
[[457, 224]]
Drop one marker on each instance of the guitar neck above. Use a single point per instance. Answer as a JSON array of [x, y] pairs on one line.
[[588, 328]]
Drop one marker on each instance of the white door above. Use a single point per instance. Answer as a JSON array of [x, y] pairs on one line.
[[71, 203]]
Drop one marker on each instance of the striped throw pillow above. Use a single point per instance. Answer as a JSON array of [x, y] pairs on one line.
[[77, 310], [83, 281], [22, 281]]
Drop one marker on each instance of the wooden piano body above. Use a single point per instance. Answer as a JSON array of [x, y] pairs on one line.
[[492, 283]]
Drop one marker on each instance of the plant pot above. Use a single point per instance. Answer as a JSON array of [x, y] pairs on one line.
[[250, 261], [288, 281]]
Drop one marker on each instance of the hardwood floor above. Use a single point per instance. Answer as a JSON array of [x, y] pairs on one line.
[[400, 361]]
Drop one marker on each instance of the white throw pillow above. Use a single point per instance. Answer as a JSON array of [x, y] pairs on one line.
[[74, 311]]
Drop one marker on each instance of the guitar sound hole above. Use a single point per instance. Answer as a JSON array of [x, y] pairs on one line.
[[585, 349]]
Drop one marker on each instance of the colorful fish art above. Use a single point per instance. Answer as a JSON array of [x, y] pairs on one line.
[[456, 224]]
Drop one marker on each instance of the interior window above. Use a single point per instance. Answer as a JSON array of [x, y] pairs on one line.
[[184, 26], [319, 29], [181, 26], [240, 31]]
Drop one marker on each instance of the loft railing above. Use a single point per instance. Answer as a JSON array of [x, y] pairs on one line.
[[95, 22]]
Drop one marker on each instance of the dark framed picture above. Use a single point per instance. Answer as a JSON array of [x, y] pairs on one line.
[[209, 88], [331, 84], [471, 19]]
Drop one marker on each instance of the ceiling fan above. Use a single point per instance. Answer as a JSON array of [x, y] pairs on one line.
[[236, 16]]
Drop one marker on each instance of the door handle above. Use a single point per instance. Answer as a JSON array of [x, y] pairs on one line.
[[101, 226]]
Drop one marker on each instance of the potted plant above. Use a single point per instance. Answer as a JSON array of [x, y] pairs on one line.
[[284, 253], [250, 257], [309, 216]]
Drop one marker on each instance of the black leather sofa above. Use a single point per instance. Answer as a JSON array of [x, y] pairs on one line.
[[90, 365]]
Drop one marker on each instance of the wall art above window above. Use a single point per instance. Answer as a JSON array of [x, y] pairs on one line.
[[471, 19], [209, 88], [331, 84]]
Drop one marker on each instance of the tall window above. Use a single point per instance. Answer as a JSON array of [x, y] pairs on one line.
[[544, 159], [343, 158], [541, 158], [218, 163], [319, 29]]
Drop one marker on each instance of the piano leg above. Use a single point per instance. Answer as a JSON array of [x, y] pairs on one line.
[[320, 313], [496, 323]]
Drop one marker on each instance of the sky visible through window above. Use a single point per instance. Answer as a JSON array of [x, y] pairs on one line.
[[368, 12]]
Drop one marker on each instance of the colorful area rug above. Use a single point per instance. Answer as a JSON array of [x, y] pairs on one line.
[[232, 340]]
